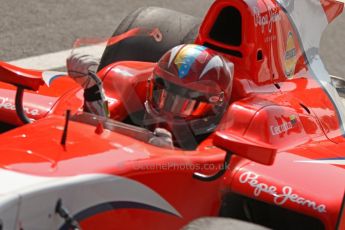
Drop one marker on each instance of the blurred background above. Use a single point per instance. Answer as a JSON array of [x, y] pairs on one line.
[[33, 27]]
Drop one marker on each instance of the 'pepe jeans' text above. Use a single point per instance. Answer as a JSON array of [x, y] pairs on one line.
[[6, 104], [280, 197]]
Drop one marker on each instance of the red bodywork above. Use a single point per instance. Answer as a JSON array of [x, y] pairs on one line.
[[288, 121]]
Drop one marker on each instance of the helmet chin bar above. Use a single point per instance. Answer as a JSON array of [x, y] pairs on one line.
[[185, 133]]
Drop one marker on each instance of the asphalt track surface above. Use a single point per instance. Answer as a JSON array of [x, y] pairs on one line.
[[34, 27]]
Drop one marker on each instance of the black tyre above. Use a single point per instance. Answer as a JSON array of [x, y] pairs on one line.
[[214, 223], [176, 28]]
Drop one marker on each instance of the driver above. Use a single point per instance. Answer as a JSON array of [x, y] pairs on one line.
[[187, 94]]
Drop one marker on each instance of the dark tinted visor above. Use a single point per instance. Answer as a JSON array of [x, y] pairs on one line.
[[180, 101]]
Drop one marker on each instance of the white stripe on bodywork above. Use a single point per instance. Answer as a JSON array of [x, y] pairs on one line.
[[329, 162], [310, 20], [36, 197], [49, 76]]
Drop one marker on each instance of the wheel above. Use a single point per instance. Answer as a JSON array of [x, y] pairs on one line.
[[176, 28], [215, 223]]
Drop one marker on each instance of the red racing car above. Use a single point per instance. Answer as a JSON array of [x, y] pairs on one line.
[[273, 156]]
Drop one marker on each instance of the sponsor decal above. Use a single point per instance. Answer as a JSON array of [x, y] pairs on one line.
[[217, 98], [286, 126], [281, 196], [6, 104], [290, 56], [157, 35], [266, 20], [214, 99], [271, 38]]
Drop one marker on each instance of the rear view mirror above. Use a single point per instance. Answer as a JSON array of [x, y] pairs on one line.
[[257, 151]]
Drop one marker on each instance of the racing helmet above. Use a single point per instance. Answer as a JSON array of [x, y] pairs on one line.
[[190, 82]]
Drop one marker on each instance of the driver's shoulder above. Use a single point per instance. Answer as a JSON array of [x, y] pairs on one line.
[[127, 71], [126, 84]]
